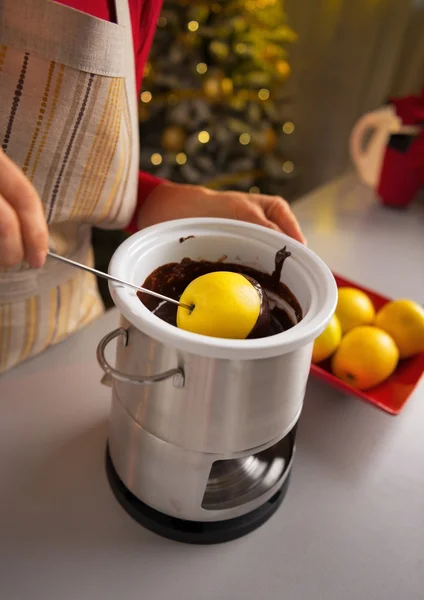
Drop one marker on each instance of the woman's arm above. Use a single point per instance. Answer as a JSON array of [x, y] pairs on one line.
[[168, 201]]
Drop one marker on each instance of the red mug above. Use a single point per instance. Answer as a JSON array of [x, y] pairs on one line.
[[391, 162]]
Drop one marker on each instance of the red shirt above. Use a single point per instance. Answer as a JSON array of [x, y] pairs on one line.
[[144, 15]]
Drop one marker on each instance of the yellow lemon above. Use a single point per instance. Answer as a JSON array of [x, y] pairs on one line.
[[404, 321], [328, 341], [225, 305], [354, 308], [366, 357]]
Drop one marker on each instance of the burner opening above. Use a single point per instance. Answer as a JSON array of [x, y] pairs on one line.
[[233, 482]]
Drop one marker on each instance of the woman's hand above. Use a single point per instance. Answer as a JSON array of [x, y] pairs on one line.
[[23, 227], [176, 201]]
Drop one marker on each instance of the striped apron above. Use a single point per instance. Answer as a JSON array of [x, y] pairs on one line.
[[68, 118]]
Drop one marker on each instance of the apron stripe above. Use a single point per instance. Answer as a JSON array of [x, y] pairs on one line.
[[91, 309], [108, 151], [69, 147], [101, 149], [118, 177], [3, 52], [71, 300], [52, 317], [16, 100], [79, 205], [39, 123], [75, 89], [77, 157], [57, 312], [31, 306], [56, 93], [65, 312], [98, 144], [120, 201], [62, 312], [40, 119]]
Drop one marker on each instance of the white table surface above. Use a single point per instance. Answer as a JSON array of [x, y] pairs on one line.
[[350, 528]]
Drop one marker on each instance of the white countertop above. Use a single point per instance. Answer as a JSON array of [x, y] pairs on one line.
[[350, 528]]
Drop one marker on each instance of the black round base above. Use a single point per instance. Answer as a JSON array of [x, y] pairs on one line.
[[191, 532]]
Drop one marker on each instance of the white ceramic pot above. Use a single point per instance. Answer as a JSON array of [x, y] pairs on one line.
[[305, 274]]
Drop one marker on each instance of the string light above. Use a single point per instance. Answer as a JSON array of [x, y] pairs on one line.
[[283, 68], [241, 48], [156, 158], [146, 97], [288, 166], [162, 22], [244, 139], [147, 69], [181, 158], [202, 68], [288, 127], [254, 190], [193, 26], [227, 86], [204, 137], [263, 94]]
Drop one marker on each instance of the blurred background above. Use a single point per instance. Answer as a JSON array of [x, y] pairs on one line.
[[261, 95], [350, 57]]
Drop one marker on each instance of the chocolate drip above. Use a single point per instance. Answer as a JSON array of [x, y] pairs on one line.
[[280, 259]]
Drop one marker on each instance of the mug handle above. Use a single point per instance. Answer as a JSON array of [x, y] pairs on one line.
[[382, 122], [177, 374]]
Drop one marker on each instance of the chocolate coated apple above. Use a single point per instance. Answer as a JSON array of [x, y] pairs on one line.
[[225, 305]]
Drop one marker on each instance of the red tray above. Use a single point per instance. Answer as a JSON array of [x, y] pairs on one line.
[[395, 391]]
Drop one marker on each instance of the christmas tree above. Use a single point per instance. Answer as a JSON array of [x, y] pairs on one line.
[[215, 110]]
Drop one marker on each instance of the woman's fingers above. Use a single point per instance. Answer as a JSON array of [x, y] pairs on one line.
[[279, 212], [11, 246], [251, 213], [31, 233]]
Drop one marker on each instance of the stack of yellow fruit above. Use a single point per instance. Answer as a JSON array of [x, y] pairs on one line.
[[366, 346]]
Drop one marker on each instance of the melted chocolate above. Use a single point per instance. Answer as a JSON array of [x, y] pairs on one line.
[[172, 279], [261, 328]]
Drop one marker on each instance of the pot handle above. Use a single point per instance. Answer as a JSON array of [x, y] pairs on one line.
[[177, 373]]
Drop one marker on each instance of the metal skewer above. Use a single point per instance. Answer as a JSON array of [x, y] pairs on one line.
[[116, 280]]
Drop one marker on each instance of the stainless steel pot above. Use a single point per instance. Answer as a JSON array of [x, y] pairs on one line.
[[200, 427]]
